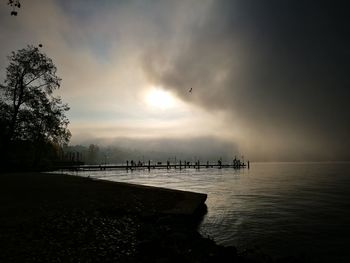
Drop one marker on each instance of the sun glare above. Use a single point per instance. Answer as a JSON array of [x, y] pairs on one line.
[[158, 98]]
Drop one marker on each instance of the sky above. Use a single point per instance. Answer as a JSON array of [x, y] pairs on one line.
[[269, 79]]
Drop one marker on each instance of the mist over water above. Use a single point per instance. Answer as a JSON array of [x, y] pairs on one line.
[[285, 209]]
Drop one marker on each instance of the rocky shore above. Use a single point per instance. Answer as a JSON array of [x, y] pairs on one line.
[[62, 218]]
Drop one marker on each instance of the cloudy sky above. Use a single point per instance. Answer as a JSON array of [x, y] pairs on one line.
[[270, 79]]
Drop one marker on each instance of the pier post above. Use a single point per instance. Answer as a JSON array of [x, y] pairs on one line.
[[180, 164], [248, 165], [127, 165], [198, 165], [149, 164]]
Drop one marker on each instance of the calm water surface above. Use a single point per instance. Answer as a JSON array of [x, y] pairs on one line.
[[285, 209]]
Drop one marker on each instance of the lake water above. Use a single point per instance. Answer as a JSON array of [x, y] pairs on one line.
[[284, 209]]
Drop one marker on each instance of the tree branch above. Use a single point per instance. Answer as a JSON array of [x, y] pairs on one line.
[[37, 77]]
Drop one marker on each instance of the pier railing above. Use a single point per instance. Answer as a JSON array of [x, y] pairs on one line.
[[158, 165]]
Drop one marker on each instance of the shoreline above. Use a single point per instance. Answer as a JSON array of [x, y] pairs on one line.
[[64, 218]]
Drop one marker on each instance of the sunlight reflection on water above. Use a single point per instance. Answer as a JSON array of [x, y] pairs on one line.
[[284, 208]]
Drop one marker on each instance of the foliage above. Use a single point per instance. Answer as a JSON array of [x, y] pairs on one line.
[[93, 153], [28, 106], [28, 109], [15, 4]]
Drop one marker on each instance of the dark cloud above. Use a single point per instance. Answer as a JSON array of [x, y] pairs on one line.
[[279, 68], [273, 74]]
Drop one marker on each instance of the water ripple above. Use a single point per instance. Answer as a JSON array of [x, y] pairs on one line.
[[276, 206]]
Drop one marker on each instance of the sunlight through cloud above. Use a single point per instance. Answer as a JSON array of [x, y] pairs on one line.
[[160, 99]]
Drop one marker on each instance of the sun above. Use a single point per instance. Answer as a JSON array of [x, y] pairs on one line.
[[160, 99]]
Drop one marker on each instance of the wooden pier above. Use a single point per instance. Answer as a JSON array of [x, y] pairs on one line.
[[148, 166]]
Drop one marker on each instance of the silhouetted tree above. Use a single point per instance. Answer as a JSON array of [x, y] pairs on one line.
[[93, 152], [29, 110]]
